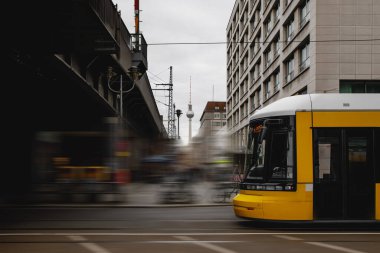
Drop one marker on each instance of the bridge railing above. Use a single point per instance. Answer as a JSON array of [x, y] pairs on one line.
[[111, 18], [139, 44], [108, 14], [125, 35]]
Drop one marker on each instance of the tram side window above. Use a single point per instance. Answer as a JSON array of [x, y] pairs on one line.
[[256, 172], [328, 158], [279, 150], [248, 163], [255, 154]]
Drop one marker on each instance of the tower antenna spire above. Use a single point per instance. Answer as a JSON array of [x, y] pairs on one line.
[[190, 91], [190, 113]]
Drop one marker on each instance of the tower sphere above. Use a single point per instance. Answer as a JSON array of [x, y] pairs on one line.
[[190, 114]]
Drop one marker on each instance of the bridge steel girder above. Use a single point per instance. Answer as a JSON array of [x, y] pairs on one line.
[[85, 37], [55, 64]]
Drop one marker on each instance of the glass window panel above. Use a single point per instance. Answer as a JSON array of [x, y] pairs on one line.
[[328, 153], [373, 87], [278, 161]]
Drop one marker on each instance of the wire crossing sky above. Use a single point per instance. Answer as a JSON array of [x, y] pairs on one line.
[[169, 25], [252, 42]]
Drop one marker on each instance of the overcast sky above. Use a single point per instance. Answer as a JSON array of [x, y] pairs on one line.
[[171, 21]]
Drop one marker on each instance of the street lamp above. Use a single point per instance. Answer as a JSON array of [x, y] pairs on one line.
[[179, 113], [117, 158], [133, 73]]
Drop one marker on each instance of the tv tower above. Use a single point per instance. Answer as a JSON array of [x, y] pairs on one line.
[[190, 113]]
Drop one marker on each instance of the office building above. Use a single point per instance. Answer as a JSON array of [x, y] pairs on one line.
[[213, 118], [279, 48]]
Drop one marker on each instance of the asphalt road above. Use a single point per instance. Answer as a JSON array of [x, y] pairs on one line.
[[170, 229]]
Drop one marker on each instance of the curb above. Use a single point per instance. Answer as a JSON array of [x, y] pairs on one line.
[[112, 205]]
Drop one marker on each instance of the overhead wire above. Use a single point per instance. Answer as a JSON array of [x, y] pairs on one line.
[[156, 75], [260, 42]]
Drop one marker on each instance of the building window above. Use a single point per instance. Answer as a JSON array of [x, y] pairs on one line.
[[254, 21], [216, 115], [276, 85], [258, 95], [216, 123], [289, 69], [277, 47], [302, 91], [276, 11], [256, 71], [267, 89], [245, 38], [268, 57], [305, 57], [252, 101], [242, 112], [244, 88], [358, 86], [268, 26], [257, 43], [252, 50], [290, 30], [305, 13]]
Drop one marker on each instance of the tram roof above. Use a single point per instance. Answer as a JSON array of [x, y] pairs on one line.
[[320, 102]]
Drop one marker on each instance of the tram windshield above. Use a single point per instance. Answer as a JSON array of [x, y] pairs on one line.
[[270, 154]]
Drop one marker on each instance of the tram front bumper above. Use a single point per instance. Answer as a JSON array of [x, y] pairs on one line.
[[273, 206], [248, 206]]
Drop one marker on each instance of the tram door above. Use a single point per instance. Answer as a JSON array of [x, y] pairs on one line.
[[344, 176]]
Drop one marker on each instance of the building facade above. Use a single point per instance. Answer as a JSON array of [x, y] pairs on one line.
[[279, 48], [213, 118], [210, 140]]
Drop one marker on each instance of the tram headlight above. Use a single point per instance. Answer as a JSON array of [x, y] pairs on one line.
[[288, 187]]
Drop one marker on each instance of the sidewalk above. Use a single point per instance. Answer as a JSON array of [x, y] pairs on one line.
[[195, 194], [138, 194]]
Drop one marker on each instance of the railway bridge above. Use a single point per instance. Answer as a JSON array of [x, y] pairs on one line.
[[60, 59]]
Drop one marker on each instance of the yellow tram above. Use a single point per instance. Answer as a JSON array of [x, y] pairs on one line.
[[313, 157]]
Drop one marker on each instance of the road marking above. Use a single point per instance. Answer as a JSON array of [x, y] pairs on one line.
[[325, 245], [77, 238], [187, 234], [200, 220], [205, 244], [288, 237], [93, 247], [181, 242]]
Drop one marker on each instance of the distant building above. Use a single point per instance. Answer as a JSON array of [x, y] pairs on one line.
[[210, 134], [280, 48], [213, 118]]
